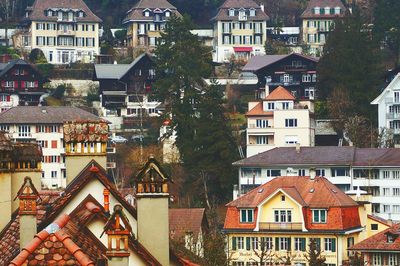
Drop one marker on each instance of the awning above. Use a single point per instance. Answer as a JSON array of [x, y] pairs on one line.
[[243, 49]]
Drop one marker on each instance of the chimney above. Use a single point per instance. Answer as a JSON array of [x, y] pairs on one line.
[[27, 196], [152, 200], [118, 231], [235, 191], [266, 90], [297, 147], [262, 7], [106, 196]]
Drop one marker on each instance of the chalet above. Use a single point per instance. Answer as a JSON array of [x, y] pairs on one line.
[[278, 220], [125, 90], [21, 84], [296, 72]]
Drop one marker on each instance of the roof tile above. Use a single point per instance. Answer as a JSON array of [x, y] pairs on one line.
[[280, 93]]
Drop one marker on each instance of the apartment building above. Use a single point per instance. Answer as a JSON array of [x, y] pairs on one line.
[[68, 136], [317, 20], [145, 21], [20, 84], [376, 170], [296, 72], [240, 30], [66, 31], [388, 103], [278, 121], [277, 221]]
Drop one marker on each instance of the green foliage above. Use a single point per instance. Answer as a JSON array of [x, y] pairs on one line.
[[120, 36], [45, 69], [37, 57], [93, 94], [10, 51], [60, 90], [351, 62], [276, 47], [313, 255], [321, 109]]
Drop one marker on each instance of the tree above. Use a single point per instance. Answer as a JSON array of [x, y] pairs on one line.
[[276, 47], [37, 56], [120, 36], [340, 107], [313, 254], [360, 132], [351, 61], [356, 259]]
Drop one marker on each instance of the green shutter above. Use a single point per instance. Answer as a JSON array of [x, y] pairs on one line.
[[302, 244], [318, 243], [333, 245], [233, 243], [248, 243], [276, 243], [289, 243]]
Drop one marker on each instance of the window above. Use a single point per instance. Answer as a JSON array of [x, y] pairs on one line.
[[252, 12], [167, 14], [291, 122], [396, 174], [53, 174], [286, 78], [339, 172], [253, 243], [392, 259], [374, 227], [271, 173], [302, 172], [291, 140], [386, 208], [29, 84], [376, 259], [271, 106], [386, 191], [283, 243], [261, 123], [350, 242], [285, 105], [299, 244], [319, 216], [261, 140], [54, 144], [250, 172], [240, 243], [237, 263], [266, 243], [396, 209], [396, 191], [320, 172], [24, 131], [306, 78], [246, 216], [330, 244], [283, 216], [5, 128], [42, 143], [386, 174], [41, 128], [283, 198], [53, 129]]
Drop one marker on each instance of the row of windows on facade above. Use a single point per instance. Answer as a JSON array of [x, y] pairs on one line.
[[316, 38], [227, 27], [16, 84], [287, 78], [152, 41], [326, 10], [242, 12], [65, 27], [263, 140], [137, 111], [267, 262], [54, 174], [283, 243], [91, 147], [283, 215], [25, 130], [65, 41], [157, 15], [256, 172], [145, 27], [325, 25], [62, 15], [246, 39]]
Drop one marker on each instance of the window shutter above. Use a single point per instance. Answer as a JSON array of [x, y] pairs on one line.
[[318, 243], [3, 83], [303, 244], [248, 243], [36, 84], [276, 243], [8, 98], [16, 84], [289, 239], [233, 243], [333, 245]]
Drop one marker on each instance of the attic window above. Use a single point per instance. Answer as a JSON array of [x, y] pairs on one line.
[[312, 190], [252, 12], [80, 14], [146, 13], [231, 12], [246, 216], [390, 238], [337, 10], [283, 198], [316, 10], [260, 190], [167, 14]]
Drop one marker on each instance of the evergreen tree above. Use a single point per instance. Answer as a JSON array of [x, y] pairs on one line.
[[351, 61], [313, 255]]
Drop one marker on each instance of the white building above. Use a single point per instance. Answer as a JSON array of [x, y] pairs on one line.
[[279, 121], [376, 170], [45, 126], [66, 31], [240, 30], [389, 108]]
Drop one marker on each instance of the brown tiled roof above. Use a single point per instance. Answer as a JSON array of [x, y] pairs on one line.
[[378, 219], [45, 115], [237, 4], [314, 193], [258, 111], [39, 6], [280, 93], [185, 220], [324, 155], [136, 12], [378, 242], [322, 4], [258, 62]]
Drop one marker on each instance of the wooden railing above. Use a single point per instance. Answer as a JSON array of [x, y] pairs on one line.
[[280, 226]]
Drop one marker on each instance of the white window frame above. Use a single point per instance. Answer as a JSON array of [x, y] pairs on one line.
[[283, 216], [319, 220], [245, 217], [291, 122]]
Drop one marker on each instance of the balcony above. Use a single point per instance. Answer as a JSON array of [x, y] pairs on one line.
[[295, 67], [393, 115], [281, 226], [66, 32]]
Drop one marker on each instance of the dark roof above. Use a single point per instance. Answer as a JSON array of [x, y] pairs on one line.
[[322, 4], [303, 189], [258, 62], [378, 242], [223, 14], [325, 155], [5, 67], [45, 115], [39, 6], [136, 12], [184, 220]]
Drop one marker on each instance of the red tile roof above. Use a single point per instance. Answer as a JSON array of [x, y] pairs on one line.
[[258, 111], [378, 242], [185, 220], [280, 93]]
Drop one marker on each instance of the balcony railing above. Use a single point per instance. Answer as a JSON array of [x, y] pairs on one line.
[[393, 115], [281, 226], [66, 32], [294, 67]]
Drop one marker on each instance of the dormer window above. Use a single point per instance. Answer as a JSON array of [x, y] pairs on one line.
[[390, 238], [316, 10], [49, 13], [167, 14], [327, 10], [319, 216], [231, 12], [252, 12], [80, 14], [146, 13], [337, 10], [246, 216]]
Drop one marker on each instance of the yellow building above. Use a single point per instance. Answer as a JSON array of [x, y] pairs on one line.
[[65, 31], [145, 21], [276, 222], [318, 18]]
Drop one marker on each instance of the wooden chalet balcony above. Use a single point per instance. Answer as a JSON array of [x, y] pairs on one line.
[[281, 226], [295, 67]]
